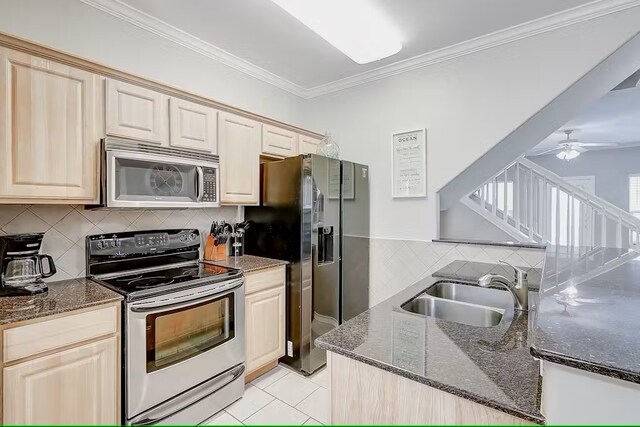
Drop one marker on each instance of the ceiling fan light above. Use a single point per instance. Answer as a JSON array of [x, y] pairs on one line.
[[568, 154]]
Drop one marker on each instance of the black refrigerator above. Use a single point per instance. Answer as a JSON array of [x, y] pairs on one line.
[[314, 213]]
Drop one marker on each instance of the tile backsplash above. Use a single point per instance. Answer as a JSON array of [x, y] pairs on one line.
[[397, 264], [394, 264], [66, 226]]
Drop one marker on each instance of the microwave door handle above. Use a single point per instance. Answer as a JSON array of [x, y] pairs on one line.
[[200, 189]]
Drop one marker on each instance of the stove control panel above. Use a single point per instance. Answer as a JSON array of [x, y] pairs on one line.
[[157, 239], [135, 243]]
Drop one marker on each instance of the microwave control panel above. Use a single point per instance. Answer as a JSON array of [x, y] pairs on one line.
[[210, 191]]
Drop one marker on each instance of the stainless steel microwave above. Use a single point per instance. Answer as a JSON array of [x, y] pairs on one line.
[[136, 175]]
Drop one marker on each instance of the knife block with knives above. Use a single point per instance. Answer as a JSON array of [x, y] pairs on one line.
[[215, 248]]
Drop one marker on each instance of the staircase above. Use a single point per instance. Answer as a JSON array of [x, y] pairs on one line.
[[532, 204]]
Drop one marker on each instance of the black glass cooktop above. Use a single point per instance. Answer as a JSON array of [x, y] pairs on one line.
[[167, 280]]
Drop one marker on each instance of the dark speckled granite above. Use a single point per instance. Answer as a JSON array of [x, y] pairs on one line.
[[588, 313], [62, 296], [248, 263], [491, 366]]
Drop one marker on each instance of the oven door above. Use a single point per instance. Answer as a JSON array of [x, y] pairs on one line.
[[178, 341], [148, 180]]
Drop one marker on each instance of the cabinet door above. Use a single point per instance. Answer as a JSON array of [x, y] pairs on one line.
[[278, 141], [239, 151], [264, 320], [193, 126], [135, 112], [48, 140], [308, 145], [75, 386]]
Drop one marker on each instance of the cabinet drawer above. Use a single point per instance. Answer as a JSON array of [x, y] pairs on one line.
[[35, 338], [264, 279]]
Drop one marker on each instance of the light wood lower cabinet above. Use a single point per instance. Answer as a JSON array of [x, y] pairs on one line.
[[69, 379], [363, 394], [73, 386], [264, 318], [49, 147]]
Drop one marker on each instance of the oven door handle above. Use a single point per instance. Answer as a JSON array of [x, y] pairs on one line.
[[155, 307], [189, 398]]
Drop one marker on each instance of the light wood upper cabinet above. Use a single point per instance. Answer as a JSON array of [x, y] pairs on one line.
[[265, 318], [135, 112], [239, 150], [48, 140], [308, 144], [193, 126], [278, 141], [75, 386]]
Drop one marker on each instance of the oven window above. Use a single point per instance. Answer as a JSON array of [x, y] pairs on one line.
[[177, 335]]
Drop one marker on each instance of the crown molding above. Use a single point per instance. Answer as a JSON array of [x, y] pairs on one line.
[[576, 15], [160, 28], [538, 26]]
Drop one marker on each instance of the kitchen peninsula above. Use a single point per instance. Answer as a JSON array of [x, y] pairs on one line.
[[392, 366]]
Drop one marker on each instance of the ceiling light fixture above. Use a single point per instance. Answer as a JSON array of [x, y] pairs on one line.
[[355, 27], [568, 154]]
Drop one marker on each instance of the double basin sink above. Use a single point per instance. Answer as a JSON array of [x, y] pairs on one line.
[[466, 304]]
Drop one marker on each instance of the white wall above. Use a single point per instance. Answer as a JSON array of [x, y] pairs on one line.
[[468, 105], [76, 28]]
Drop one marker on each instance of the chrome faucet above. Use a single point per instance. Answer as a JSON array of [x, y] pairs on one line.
[[519, 288]]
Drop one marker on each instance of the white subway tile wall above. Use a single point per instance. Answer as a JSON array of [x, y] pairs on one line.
[[66, 227], [397, 264]]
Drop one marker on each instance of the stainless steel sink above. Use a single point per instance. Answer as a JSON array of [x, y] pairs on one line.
[[496, 298], [469, 305]]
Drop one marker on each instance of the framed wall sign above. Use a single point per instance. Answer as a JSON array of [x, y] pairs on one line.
[[409, 164]]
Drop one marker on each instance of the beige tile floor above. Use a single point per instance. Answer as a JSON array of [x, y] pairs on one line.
[[281, 396]]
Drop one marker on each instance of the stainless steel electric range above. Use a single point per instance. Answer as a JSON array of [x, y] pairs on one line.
[[183, 324]]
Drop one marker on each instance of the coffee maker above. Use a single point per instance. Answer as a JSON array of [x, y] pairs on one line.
[[21, 265]]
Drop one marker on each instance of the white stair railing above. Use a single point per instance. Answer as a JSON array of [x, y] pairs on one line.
[[533, 204]]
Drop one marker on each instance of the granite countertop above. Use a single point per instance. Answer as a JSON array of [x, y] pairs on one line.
[[588, 312], [248, 263], [62, 296], [491, 366]]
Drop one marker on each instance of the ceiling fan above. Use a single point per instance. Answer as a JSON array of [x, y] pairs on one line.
[[570, 148]]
